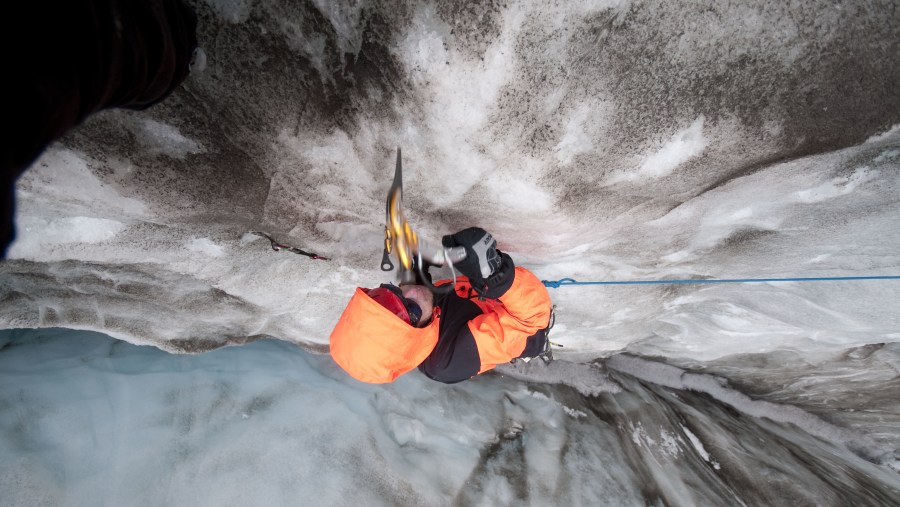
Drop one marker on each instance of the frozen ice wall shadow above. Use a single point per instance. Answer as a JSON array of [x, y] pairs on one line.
[[88, 419]]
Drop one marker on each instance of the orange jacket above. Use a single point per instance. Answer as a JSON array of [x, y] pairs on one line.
[[373, 345]]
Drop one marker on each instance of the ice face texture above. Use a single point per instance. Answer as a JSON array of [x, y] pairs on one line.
[[599, 141], [90, 419]]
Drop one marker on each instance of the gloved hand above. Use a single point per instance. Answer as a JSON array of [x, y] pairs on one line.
[[484, 265]]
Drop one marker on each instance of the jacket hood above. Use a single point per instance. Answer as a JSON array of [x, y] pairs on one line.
[[374, 345]]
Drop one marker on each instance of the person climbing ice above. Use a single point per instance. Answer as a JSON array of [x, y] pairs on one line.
[[495, 313]]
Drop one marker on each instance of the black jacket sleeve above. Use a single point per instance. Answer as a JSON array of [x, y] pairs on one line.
[[455, 357]]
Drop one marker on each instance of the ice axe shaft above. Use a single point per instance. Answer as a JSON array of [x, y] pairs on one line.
[[401, 239]]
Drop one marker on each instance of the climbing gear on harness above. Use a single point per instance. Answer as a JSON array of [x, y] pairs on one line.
[[545, 352]]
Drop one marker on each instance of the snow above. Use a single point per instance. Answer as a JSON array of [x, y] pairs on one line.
[[158, 137], [575, 140], [205, 246], [698, 446], [62, 183], [837, 187], [890, 134], [51, 232], [683, 146], [596, 140]]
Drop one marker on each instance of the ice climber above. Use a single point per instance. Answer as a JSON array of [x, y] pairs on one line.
[[497, 312]]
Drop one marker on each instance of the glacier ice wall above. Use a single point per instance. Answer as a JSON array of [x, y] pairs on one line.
[[598, 140], [89, 419], [607, 140]]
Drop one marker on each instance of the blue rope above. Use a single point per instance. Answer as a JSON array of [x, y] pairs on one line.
[[571, 281]]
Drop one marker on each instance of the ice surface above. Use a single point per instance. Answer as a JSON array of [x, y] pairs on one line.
[[234, 11], [596, 140], [49, 233], [769, 224], [157, 137], [671, 376], [88, 419], [682, 147]]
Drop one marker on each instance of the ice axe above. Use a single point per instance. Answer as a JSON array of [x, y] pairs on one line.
[[400, 239]]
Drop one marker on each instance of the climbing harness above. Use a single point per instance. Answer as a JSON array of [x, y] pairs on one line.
[[280, 246], [546, 353], [554, 284]]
